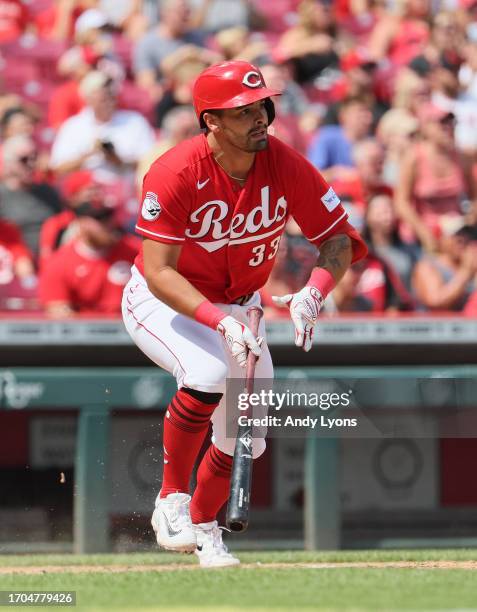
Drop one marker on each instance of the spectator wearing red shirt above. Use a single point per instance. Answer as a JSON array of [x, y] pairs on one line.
[[79, 189], [14, 19], [66, 100], [88, 274], [18, 282], [15, 258]]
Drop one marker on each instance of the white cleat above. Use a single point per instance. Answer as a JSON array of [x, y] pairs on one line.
[[211, 551], [172, 524]]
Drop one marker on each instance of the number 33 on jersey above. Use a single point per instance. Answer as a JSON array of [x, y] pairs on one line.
[[231, 234]]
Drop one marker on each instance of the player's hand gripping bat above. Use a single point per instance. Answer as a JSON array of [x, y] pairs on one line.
[[241, 479]]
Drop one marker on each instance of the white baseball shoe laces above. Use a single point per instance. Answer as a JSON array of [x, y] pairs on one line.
[[211, 550]]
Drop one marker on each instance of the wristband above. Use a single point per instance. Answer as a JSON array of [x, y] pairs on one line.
[[208, 314], [322, 280]]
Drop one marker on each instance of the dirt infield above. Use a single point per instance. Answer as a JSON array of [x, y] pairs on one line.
[[119, 569]]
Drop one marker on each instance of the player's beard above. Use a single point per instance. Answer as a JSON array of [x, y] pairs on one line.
[[256, 144]]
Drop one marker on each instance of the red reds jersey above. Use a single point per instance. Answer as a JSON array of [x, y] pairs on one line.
[[86, 281], [12, 248], [230, 234]]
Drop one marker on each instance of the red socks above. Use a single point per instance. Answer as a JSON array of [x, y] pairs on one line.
[[185, 426], [212, 491]]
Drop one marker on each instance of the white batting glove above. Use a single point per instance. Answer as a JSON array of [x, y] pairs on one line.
[[304, 307], [239, 339]]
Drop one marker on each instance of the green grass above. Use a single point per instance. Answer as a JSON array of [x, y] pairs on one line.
[[258, 588]]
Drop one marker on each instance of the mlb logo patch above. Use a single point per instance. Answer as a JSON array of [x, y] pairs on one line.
[[151, 208], [330, 199]]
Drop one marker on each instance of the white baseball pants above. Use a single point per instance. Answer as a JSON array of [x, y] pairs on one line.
[[194, 354]]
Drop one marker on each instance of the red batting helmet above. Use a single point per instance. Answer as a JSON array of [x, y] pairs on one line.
[[229, 85]]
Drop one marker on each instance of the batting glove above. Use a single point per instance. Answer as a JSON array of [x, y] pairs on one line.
[[304, 307], [239, 339]]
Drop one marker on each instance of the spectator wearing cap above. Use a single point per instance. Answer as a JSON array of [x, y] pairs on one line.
[[434, 179], [101, 137], [91, 51], [331, 150], [172, 32], [23, 201], [357, 80], [96, 43], [88, 274], [78, 189], [445, 280]]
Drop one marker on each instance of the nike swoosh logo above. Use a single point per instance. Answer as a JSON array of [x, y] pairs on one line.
[[170, 530], [203, 184]]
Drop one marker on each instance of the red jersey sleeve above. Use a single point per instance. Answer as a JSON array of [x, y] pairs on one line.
[[53, 286], [318, 210], [11, 238], [166, 202]]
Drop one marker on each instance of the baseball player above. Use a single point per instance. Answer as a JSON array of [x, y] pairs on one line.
[[213, 212]]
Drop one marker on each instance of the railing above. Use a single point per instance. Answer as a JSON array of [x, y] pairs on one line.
[[95, 392]]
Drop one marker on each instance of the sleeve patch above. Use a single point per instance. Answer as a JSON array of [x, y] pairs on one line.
[[151, 209], [330, 199]]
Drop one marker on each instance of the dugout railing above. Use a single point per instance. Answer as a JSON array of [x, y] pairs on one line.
[[95, 392]]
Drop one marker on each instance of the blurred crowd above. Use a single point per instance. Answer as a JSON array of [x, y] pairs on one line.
[[380, 95]]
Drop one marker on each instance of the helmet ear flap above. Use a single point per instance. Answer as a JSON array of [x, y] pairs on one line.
[[270, 108]]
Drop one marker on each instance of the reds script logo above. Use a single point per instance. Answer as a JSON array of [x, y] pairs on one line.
[[151, 208], [211, 214]]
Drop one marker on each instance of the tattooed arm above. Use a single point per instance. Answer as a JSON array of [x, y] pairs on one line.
[[333, 261], [335, 255]]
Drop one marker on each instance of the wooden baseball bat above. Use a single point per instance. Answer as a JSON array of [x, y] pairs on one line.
[[241, 478]]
